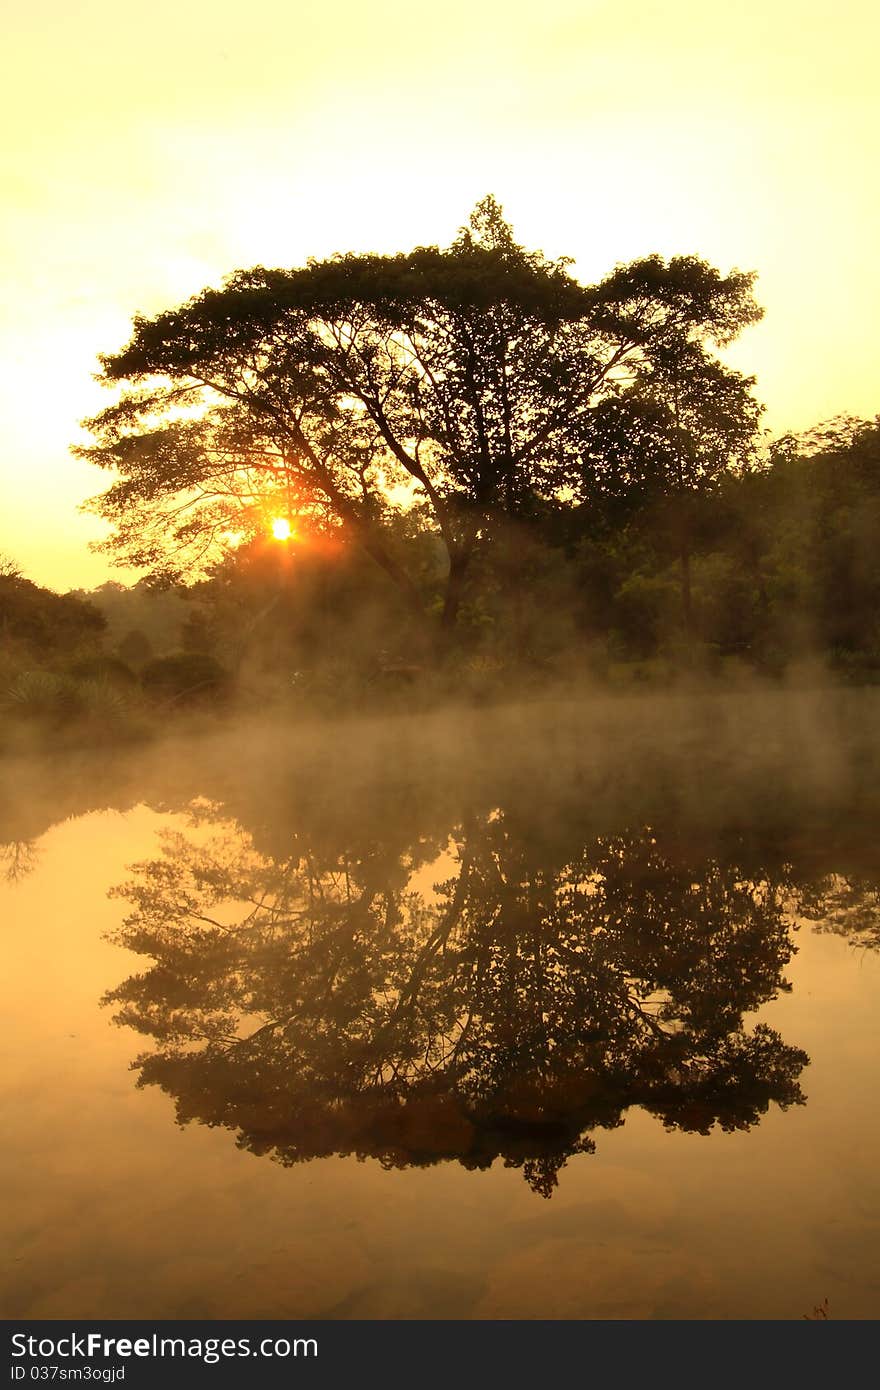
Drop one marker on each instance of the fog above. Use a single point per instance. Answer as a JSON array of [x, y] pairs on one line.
[[712, 761], [480, 945]]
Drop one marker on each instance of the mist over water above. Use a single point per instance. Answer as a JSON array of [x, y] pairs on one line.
[[560, 1009]]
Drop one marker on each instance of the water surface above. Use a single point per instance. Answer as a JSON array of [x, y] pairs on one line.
[[566, 1011]]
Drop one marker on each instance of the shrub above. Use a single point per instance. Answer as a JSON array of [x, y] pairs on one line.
[[185, 678], [135, 649], [43, 695], [105, 670], [70, 711]]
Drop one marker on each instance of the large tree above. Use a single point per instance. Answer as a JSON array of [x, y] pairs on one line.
[[458, 381], [660, 445]]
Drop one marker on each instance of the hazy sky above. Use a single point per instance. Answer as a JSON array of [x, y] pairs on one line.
[[148, 151]]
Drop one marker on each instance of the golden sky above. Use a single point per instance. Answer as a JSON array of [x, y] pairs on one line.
[[148, 150]]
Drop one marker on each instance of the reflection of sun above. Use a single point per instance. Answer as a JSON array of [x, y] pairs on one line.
[[281, 529]]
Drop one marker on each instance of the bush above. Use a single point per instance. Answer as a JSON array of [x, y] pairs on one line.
[[43, 695], [135, 649], [185, 678], [70, 711], [647, 608], [104, 670]]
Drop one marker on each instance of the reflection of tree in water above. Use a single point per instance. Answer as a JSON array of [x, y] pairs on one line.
[[847, 905], [326, 1004], [18, 858]]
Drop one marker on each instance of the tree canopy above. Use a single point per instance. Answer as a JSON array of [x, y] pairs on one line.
[[36, 620], [463, 385]]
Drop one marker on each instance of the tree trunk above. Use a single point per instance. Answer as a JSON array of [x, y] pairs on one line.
[[686, 598], [396, 573], [458, 567]]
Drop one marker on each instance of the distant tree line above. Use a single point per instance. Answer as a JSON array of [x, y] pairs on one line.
[[783, 569], [36, 621]]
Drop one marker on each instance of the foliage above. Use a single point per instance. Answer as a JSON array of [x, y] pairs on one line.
[[143, 619], [783, 572], [36, 621], [135, 648], [66, 709], [185, 678], [56, 683], [783, 567], [465, 383], [109, 670], [43, 695]]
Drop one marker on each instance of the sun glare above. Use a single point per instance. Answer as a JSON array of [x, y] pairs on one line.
[[281, 529]]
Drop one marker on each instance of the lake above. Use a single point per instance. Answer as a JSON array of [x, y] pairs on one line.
[[559, 1011]]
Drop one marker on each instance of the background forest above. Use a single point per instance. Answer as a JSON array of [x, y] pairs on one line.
[[785, 583]]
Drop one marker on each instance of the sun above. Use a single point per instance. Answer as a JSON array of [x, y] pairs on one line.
[[281, 529]]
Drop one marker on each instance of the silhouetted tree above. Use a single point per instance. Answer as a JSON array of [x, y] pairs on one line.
[[667, 440], [39, 623], [462, 380], [135, 647]]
